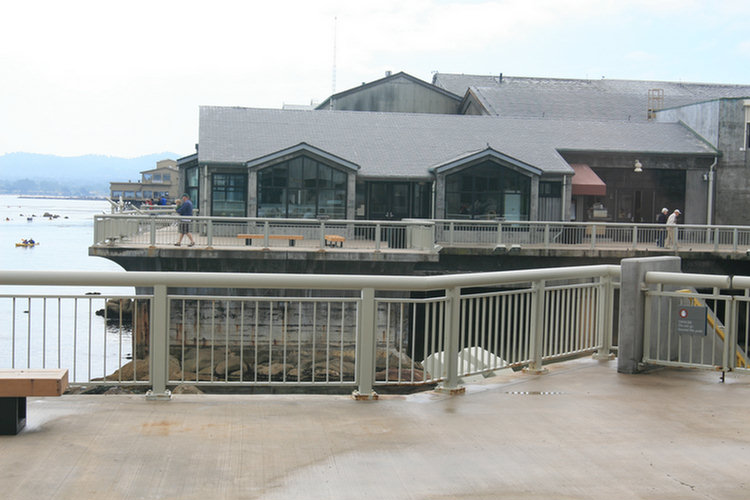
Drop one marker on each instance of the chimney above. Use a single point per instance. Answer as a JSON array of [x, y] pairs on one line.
[[388, 73]]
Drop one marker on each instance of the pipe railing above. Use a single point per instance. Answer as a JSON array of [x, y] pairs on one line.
[[419, 234], [358, 331], [160, 230]]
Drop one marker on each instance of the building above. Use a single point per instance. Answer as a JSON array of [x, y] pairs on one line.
[[162, 181], [478, 147]]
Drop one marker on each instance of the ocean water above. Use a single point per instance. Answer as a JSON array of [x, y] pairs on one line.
[[38, 330]]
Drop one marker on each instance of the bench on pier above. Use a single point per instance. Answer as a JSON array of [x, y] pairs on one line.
[[250, 237], [334, 240], [17, 385]]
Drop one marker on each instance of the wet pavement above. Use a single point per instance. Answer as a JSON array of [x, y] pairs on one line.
[[580, 431]]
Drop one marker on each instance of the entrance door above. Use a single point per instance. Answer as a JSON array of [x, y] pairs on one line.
[[388, 200], [635, 205]]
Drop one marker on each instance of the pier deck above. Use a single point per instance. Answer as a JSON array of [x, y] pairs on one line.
[[581, 431]]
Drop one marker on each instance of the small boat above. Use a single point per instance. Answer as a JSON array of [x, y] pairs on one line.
[[27, 244]]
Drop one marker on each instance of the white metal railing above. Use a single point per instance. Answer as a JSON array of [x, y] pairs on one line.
[[721, 343], [357, 331], [162, 230], [592, 235], [421, 234]]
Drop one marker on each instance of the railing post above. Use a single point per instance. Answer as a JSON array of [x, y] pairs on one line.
[[729, 360], [635, 237], [604, 323], [210, 233], [366, 347], [322, 235], [536, 340], [377, 237], [735, 239], [716, 240], [158, 348], [152, 231], [451, 227], [452, 336], [499, 233], [594, 229], [546, 236], [266, 232]]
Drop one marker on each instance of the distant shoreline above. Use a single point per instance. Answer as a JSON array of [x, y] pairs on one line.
[[53, 197]]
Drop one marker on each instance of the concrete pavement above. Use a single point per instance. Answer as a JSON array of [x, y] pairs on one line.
[[580, 431]]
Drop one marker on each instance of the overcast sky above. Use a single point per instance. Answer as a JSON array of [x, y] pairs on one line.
[[127, 78]]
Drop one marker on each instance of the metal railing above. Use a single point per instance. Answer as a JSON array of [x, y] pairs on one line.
[[420, 234], [718, 340], [589, 235], [308, 330], [158, 230]]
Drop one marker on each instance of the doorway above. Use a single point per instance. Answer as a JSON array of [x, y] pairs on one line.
[[388, 200]]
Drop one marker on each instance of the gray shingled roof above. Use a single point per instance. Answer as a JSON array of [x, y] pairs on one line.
[[408, 145], [582, 99]]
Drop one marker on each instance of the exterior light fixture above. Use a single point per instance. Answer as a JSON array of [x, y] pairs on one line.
[[638, 167]]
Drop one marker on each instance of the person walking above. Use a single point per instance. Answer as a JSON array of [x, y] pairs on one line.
[[661, 219], [672, 228], [185, 209]]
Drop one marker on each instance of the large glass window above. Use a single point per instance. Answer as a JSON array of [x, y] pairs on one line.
[[192, 184], [228, 195], [487, 191], [302, 188]]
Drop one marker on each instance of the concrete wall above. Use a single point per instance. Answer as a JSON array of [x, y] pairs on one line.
[[632, 309], [702, 118], [721, 123], [732, 180]]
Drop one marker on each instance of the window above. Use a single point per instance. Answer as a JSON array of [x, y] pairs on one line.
[[157, 177], [147, 177], [192, 184], [487, 191], [550, 189], [116, 194], [166, 177], [302, 188], [228, 195], [148, 194]]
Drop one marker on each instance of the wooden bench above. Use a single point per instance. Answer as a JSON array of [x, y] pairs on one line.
[[291, 237], [334, 240], [17, 385]]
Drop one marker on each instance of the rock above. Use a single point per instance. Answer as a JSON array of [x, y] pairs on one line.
[[231, 364], [274, 370], [403, 375], [134, 370], [186, 389]]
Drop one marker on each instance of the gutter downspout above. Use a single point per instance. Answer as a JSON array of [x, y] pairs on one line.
[[709, 208]]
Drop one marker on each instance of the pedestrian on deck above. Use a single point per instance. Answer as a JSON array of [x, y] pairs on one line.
[[672, 228], [661, 219], [185, 209]]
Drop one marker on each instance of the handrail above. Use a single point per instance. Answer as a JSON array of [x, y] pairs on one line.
[[432, 234], [296, 281], [693, 280]]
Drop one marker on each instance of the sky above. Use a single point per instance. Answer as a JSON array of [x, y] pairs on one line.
[[127, 78]]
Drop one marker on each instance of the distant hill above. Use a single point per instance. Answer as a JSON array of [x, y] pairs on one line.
[[30, 173]]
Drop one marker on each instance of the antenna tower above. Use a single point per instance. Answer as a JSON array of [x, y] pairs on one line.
[[333, 75]]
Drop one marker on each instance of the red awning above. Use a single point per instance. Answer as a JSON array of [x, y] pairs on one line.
[[586, 182]]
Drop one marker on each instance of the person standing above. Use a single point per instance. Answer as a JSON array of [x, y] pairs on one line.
[[672, 227], [661, 219], [185, 209]]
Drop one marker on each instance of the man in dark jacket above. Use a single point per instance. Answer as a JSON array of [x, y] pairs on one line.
[[661, 219], [186, 209]]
